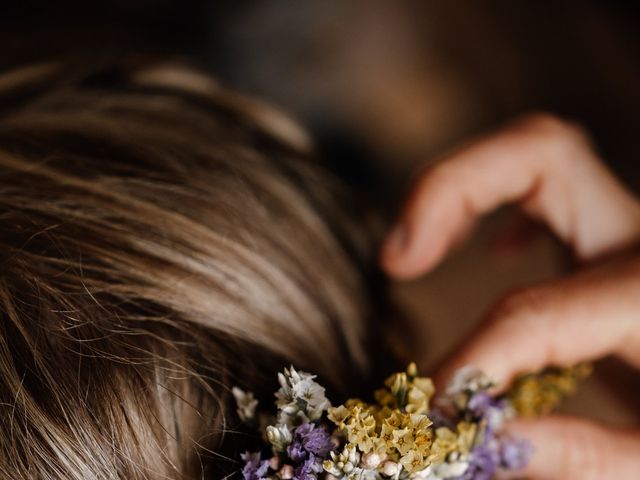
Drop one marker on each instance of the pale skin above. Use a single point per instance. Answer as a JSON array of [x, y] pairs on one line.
[[548, 168]]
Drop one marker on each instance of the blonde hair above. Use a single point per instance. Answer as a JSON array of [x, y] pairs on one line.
[[158, 245]]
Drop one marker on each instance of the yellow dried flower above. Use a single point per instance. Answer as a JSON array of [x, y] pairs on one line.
[[466, 436], [386, 438], [412, 370], [339, 416], [425, 385], [539, 394], [417, 422], [417, 401], [381, 448], [354, 402], [385, 398], [360, 428], [381, 415], [422, 433], [398, 384], [396, 429], [413, 461], [403, 440], [445, 443]]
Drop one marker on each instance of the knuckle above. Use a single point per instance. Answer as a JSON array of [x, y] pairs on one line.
[[528, 310], [549, 124], [436, 178], [443, 172], [559, 139], [521, 302]]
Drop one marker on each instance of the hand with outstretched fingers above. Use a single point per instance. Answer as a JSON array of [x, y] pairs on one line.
[[549, 169]]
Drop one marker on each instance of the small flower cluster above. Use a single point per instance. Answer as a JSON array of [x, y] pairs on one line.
[[400, 436], [534, 395], [299, 441], [467, 399]]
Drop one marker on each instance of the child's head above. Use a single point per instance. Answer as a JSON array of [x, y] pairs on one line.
[[160, 241]]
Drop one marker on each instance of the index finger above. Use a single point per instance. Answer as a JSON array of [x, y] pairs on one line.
[[541, 163]]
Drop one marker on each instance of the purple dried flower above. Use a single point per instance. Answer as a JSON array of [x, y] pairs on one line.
[[297, 453], [515, 453], [497, 453], [483, 463], [309, 439], [254, 468], [309, 469], [493, 410], [311, 445], [480, 402]]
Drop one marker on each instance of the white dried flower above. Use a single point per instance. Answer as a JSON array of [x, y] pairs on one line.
[[468, 380], [300, 398], [279, 436], [452, 469], [363, 474], [343, 464], [246, 404], [455, 466], [464, 384]]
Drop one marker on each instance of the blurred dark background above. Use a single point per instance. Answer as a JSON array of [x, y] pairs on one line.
[[385, 87]]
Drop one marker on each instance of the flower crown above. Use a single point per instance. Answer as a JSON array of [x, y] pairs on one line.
[[400, 435]]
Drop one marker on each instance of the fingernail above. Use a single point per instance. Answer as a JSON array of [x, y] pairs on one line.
[[396, 241]]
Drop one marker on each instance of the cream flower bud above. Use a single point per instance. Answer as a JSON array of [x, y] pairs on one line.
[[286, 472], [352, 454], [390, 468], [348, 467], [371, 460], [452, 469], [279, 436]]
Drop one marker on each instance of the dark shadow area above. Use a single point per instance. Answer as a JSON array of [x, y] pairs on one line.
[[384, 86]]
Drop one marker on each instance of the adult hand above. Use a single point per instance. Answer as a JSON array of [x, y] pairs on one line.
[[548, 168]]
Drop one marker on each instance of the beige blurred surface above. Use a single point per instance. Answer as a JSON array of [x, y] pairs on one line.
[[447, 303]]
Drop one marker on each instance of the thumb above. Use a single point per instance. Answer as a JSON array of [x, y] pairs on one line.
[[568, 448]]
